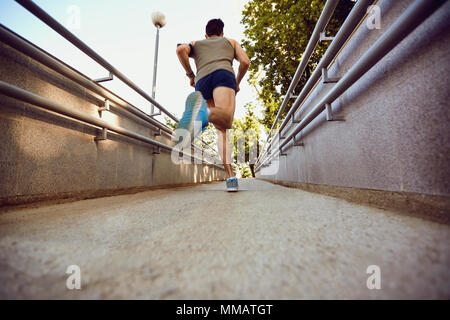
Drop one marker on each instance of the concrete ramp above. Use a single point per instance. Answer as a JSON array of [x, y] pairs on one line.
[[264, 242]]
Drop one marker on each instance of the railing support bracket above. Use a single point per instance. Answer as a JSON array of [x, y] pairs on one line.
[[330, 116], [325, 78], [102, 136], [108, 78], [323, 37], [298, 143], [104, 108], [155, 114]]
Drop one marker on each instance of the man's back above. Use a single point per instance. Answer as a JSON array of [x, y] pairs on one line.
[[212, 54]]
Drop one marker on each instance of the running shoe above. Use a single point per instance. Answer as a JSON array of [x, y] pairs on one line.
[[232, 184], [196, 112]]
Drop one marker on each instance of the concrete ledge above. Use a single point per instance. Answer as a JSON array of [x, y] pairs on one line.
[[429, 207], [38, 200]]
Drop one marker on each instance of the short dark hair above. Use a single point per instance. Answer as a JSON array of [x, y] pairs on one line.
[[214, 27]]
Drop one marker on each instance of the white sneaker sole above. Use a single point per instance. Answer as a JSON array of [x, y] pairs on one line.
[[194, 101]]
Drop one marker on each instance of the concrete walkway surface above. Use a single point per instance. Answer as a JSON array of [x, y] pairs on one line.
[[264, 242]]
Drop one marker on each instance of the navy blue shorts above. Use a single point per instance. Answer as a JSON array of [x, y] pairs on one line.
[[218, 78]]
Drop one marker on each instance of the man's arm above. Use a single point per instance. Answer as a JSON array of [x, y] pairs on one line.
[[244, 62], [183, 51]]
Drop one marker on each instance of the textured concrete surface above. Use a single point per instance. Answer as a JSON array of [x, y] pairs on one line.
[[396, 133], [433, 208], [266, 241]]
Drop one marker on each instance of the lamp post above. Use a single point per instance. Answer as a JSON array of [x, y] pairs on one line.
[[159, 20]]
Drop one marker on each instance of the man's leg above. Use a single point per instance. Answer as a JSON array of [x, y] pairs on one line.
[[225, 151], [221, 109]]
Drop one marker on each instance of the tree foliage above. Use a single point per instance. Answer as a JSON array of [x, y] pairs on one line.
[[277, 33], [247, 130], [170, 123]]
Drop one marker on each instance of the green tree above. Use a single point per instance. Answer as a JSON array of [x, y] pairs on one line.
[[247, 131], [277, 33], [209, 136], [170, 123]]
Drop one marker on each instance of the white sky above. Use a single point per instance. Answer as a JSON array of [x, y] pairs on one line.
[[122, 33]]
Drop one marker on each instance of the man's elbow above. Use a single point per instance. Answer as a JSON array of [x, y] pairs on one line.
[[179, 50], [245, 62]]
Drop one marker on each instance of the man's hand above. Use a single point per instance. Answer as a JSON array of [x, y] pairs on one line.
[[237, 87], [192, 82]]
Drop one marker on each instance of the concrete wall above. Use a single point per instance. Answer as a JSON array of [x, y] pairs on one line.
[[44, 155], [396, 133]]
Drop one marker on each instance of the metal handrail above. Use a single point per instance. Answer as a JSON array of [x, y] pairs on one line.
[[413, 16], [354, 18], [34, 99], [31, 50], [60, 29], [321, 24]]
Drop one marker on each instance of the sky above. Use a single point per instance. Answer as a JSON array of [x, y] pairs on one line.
[[123, 34]]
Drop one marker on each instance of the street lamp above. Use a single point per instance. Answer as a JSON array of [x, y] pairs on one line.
[[159, 20]]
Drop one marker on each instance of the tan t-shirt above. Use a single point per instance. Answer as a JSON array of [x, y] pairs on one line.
[[212, 54]]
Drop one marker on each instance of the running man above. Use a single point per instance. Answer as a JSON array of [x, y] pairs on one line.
[[217, 83]]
